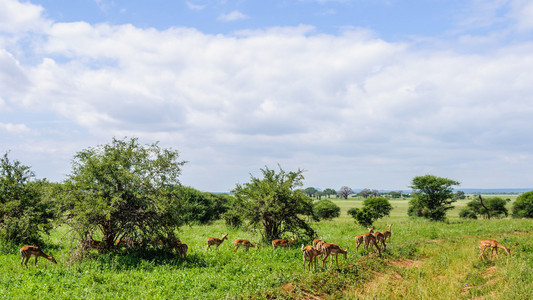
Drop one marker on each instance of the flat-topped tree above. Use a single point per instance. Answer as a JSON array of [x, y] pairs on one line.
[[432, 197]]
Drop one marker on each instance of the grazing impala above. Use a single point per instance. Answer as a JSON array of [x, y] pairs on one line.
[[28, 251], [241, 242], [283, 243], [493, 245], [215, 241], [370, 239], [181, 250], [311, 253], [332, 249], [387, 233]]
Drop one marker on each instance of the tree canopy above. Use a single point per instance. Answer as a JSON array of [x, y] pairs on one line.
[[433, 197], [373, 208], [273, 204], [523, 206], [124, 190], [24, 212]]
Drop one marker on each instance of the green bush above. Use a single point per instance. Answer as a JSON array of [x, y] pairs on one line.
[[373, 208], [326, 210], [523, 206], [24, 212]]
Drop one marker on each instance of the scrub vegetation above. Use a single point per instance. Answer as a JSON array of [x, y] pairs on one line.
[[425, 259]]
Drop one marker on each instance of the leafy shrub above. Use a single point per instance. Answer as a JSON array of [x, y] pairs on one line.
[[373, 208], [24, 214], [523, 206], [495, 206], [326, 210], [467, 213]]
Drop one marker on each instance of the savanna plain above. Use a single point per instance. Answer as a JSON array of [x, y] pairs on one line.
[[424, 260]]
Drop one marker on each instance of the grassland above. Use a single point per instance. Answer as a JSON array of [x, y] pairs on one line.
[[425, 260]]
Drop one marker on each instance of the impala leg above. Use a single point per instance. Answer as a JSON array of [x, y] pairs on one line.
[[481, 255]]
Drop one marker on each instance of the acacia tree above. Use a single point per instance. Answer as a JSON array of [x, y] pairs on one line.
[[273, 204], [24, 213], [433, 197], [124, 190], [345, 191]]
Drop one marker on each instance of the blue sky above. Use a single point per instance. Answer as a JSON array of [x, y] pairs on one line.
[[363, 93]]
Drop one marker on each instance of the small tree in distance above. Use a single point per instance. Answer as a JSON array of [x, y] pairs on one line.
[[344, 192], [326, 210], [373, 208]]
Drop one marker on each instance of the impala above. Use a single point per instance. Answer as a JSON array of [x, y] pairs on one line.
[[380, 238], [181, 250], [387, 233], [332, 249], [28, 251], [359, 240], [215, 241], [316, 241], [283, 243], [241, 242], [493, 245], [311, 253], [370, 239]]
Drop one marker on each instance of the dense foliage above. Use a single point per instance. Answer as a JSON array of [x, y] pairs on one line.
[[273, 204], [24, 213], [523, 206], [432, 197], [495, 206], [325, 210], [374, 208], [125, 190]]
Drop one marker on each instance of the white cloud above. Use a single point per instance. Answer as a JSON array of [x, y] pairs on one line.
[[232, 16], [193, 6], [352, 104], [16, 17], [14, 128]]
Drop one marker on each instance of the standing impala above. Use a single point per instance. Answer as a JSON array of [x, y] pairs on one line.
[[28, 251], [332, 249], [359, 240], [370, 239], [493, 245], [215, 241], [311, 253], [387, 233], [241, 242], [181, 250], [316, 241], [380, 238], [282, 243]]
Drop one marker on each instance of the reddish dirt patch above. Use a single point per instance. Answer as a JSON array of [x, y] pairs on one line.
[[406, 263]]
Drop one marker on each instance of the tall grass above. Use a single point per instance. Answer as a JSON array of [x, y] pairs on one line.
[[425, 260]]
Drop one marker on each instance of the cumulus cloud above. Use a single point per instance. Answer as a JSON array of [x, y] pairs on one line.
[[16, 17], [353, 104], [232, 16]]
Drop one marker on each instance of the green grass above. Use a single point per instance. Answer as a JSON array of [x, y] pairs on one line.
[[425, 260]]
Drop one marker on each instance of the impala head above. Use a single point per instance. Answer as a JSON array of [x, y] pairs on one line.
[[292, 241], [370, 229], [302, 247], [52, 259], [224, 236]]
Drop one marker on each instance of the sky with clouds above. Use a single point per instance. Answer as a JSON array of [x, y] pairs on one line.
[[359, 93]]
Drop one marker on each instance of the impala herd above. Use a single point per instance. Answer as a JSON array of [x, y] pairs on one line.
[[311, 253]]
